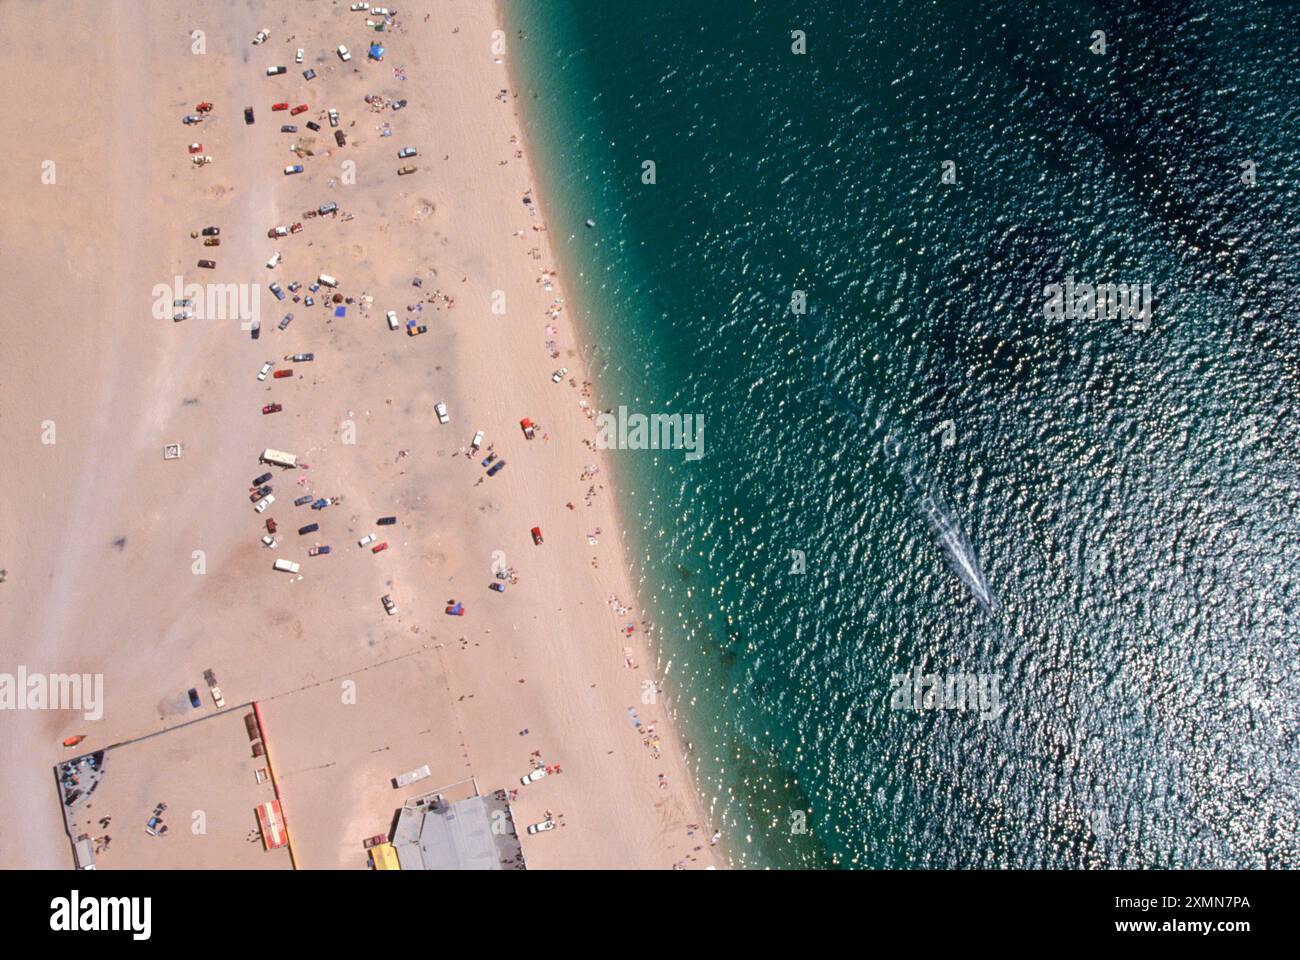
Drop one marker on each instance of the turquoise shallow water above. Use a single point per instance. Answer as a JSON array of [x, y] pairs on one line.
[[1130, 494]]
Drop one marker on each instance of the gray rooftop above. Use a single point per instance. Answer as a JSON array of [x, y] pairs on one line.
[[473, 834]]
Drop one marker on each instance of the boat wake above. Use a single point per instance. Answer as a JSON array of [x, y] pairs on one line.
[[941, 518]]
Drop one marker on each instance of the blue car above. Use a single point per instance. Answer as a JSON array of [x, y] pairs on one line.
[[495, 468], [195, 702], [498, 587], [296, 168], [276, 289], [310, 528], [320, 504]]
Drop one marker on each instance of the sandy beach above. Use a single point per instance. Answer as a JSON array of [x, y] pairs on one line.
[[150, 571]]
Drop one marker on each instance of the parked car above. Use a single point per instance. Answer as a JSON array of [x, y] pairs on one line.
[[541, 827], [208, 264], [276, 71], [285, 321], [259, 493], [313, 125], [559, 375], [212, 241], [414, 330], [334, 118], [537, 535], [385, 521], [440, 408], [476, 442], [261, 480], [389, 606], [291, 170], [398, 104], [265, 502], [343, 53], [403, 171], [276, 289], [368, 539], [495, 468], [248, 115], [309, 528], [261, 37], [297, 57], [497, 586], [301, 108], [273, 261], [266, 368], [272, 408], [255, 329], [318, 551], [195, 702], [325, 208], [303, 357], [270, 522], [392, 319], [321, 504], [340, 139], [303, 500], [281, 374], [379, 546], [528, 428], [211, 231], [288, 128], [270, 541], [532, 776], [191, 118], [280, 106], [309, 74], [407, 152]]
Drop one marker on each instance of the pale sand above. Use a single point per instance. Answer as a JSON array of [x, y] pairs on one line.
[[80, 260]]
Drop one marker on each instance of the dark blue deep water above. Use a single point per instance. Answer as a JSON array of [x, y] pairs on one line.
[[1129, 489]]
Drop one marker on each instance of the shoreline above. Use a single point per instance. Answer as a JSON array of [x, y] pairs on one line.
[[122, 562], [652, 632]]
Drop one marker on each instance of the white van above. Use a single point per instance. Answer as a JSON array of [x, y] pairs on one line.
[[411, 776], [85, 853], [279, 458], [286, 566], [325, 280], [392, 319]]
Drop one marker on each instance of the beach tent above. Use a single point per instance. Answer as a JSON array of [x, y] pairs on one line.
[[376, 51]]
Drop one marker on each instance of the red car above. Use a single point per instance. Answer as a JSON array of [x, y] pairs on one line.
[[301, 108], [196, 148], [379, 546], [272, 408], [203, 107], [279, 106], [537, 536], [279, 374], [270, 525], [526, 425]]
